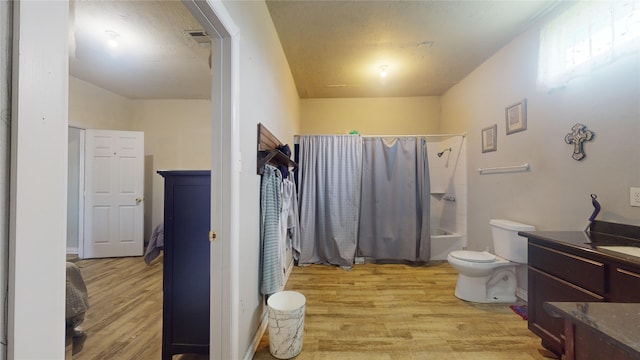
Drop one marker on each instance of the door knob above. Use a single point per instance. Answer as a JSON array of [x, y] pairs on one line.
[[138, 200]]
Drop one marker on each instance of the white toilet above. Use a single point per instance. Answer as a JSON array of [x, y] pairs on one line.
[[487, 278]]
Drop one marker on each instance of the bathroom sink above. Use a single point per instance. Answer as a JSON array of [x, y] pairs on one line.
[[624, 250]]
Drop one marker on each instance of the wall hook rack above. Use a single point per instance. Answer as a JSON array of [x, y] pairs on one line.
[[268, 152]]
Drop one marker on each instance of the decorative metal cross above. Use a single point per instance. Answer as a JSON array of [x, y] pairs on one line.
[[578, 135]]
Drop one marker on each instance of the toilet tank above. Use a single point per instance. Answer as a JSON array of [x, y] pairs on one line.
[[506, 241]]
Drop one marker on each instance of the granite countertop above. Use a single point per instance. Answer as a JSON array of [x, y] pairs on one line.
[[618, 322], [590, 241]]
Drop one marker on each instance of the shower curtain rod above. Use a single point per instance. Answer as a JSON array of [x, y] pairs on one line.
[[296, 138], [432, 135]]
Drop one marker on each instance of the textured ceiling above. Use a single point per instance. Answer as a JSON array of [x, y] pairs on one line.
[[155, 58], [335, 48]]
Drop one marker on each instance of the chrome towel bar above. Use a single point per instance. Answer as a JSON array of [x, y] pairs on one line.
[[503, 169]]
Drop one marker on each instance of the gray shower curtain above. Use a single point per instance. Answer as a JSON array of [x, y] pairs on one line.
[[394, 206], [329, 184]]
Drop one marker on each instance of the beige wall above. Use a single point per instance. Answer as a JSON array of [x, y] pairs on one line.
[[267, 95], [554, 195], [177, 136], [371, 116], [92, 107]]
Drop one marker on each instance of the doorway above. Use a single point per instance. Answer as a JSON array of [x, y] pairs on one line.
[[225, 218], [37, 244], [112, 163], [75, 187]]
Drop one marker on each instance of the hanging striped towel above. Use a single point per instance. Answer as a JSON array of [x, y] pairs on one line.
[[272, 277]]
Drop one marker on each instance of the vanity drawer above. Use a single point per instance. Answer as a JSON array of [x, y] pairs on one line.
[[542, 288], [588, 274], [625, 285]]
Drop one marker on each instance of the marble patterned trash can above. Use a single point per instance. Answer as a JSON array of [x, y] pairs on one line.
[[286, 323]]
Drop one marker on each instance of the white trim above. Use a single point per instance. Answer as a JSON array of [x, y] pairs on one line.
[[38, 196], [251, 351], [264, 321], [77, 125], [225, 258], [81, 167], [233, 168], [287, 273], [72, 250]]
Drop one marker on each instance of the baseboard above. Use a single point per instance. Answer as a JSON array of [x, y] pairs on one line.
[[251, 351], [257, 337], [522, 294], [72, 251], [287, 272]]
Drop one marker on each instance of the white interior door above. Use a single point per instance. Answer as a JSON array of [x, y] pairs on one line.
[[114, 181]]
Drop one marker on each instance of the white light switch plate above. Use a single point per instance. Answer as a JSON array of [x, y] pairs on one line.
[[634, 196]]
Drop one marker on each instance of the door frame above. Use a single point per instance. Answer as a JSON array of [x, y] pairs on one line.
[[38, 196], [80, 190], [36, 303], [225, 174]]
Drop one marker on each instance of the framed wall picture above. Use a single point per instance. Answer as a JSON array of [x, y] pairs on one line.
[[516, 117], [489, 138]]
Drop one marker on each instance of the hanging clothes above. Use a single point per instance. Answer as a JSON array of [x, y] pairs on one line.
[[289, 221], [271, 274]]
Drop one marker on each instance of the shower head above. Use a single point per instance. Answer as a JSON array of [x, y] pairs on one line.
[[443, 151]]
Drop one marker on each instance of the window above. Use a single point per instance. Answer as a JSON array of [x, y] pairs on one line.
[[588, 35]]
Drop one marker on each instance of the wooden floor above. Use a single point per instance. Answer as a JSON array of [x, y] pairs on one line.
[[401, 312], [371, 312], [124, 320]]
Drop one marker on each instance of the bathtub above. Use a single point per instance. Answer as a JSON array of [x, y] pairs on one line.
[[443, 242]]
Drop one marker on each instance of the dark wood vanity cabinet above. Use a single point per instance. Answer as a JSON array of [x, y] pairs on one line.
[[625, 284], [599, 330], [559, 276], [568, 266], [185, 308]]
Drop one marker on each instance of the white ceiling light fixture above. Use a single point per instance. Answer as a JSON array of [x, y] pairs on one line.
[[384, 71], [112, 38]]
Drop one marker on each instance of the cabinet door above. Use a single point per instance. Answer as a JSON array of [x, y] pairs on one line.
[[542, 288], [625, 284], [186, 264], [592, 344]]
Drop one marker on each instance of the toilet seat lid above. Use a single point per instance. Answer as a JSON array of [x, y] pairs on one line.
[[474, 256]]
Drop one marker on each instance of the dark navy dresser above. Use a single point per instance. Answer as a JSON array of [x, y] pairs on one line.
[[185, 310]]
